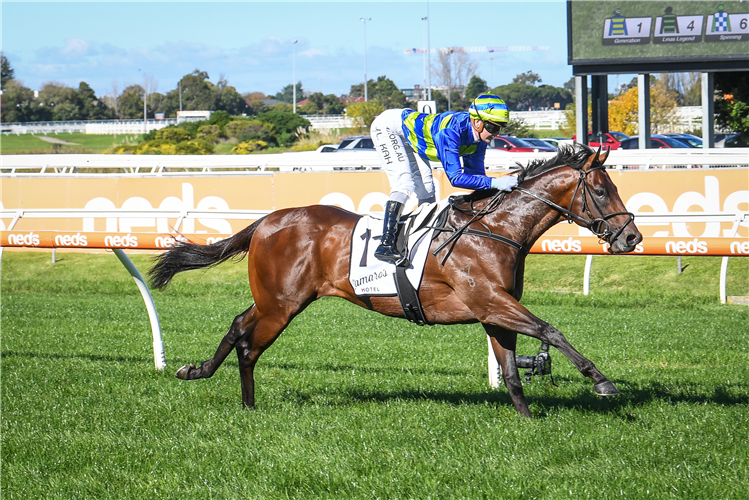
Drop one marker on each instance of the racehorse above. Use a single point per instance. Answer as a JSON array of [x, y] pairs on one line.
[[297, 255]]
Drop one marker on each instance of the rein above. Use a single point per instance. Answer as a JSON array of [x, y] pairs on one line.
[[599, 226]]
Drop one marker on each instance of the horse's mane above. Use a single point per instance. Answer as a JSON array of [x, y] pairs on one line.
[[567, 155]]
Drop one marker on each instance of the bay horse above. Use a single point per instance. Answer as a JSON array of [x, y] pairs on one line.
[[297, 255]]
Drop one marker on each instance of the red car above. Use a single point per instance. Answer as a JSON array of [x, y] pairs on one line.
[[515, 145], [612, 140]]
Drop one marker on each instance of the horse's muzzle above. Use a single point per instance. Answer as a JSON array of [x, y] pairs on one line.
[[626, 241]]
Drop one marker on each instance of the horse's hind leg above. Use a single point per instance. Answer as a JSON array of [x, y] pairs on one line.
[[504, 343], [240, 327], [252, 345]]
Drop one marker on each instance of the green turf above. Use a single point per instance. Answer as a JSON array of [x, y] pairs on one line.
[[352, 404], [11, 144]]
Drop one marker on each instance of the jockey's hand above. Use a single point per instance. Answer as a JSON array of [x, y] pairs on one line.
[[505, 183]]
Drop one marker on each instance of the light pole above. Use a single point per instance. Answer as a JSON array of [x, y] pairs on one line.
[[424, 90], [293, 73], [429, 55], [364, 20]]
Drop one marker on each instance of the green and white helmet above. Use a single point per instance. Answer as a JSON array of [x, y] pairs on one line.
[[490, 108]]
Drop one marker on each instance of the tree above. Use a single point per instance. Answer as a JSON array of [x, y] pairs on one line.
[[521, 97], [6, 71], [59, 101], [288, 126], [527, 78], [623, 112], [18, 104], [130, 103], [287, 93], [254, 101], [569, 85], [453, 69], [327, 104], [476, 86], [663, 102], [383, 90], [732, 102], [364, 113], [228, 99]]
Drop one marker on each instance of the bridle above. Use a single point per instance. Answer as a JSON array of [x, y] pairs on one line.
[[599, 226]]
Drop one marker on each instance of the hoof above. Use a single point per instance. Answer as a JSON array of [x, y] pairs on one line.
[[184, 371], [606, 388]]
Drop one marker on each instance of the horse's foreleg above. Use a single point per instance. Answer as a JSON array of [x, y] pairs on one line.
[[240, 327], [503, 343], [508, 313]]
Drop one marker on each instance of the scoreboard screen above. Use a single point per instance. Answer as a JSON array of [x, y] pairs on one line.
[[613, 32]]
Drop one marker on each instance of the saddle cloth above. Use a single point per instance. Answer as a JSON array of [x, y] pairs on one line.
[[370, 276]]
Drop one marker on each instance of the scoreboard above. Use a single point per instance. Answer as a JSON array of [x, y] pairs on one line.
[[643, 35]]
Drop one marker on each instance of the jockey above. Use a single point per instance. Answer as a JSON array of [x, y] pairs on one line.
[[408, 142]]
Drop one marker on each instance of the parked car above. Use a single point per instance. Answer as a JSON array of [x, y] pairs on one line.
[[327, 148], [731, 141], [690, 140], [356, 143], [656, 142], [612, 139], [540, 143], [557, 141], [514, 145]]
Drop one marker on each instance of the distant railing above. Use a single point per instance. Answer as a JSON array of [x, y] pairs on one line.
[[110, 127], [311, 161]]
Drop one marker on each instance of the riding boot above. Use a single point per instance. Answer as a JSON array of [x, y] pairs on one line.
[[387, 250]]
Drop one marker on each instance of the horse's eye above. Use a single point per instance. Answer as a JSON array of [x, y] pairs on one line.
[[600, 192]]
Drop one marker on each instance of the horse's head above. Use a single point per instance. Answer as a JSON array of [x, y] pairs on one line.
[[596, 201]]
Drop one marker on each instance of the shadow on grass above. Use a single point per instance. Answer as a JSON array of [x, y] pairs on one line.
[[541, 404], [90, 357]]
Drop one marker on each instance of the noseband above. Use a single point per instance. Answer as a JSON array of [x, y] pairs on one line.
[[599, 226]]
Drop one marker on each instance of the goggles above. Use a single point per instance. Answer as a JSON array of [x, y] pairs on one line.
[[493, 128]]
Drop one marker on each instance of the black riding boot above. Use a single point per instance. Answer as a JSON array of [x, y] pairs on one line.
[[387, 251]]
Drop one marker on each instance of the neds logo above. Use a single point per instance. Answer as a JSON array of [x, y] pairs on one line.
[[30, 239], [693, 247], [740, 247], [121, 241], [76, 240], [568, 245]]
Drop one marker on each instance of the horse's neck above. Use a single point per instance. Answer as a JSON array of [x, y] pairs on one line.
[[528, 218]]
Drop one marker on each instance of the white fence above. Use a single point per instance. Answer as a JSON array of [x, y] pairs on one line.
[[260, 164], [686, 118]]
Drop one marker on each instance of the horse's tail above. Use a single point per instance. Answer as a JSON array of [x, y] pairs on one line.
[[186, 256]]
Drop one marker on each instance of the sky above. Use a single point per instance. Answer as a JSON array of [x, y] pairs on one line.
[[250, 44]]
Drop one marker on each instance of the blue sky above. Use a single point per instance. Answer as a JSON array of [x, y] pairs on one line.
[[249, 43]]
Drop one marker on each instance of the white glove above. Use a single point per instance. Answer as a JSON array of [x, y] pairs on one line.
[[505, 183]]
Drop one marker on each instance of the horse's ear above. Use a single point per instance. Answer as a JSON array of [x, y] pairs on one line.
[[605, 157], [591, 159]]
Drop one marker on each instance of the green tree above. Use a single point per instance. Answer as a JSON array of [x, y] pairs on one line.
[[130, 103], [61, 102], [527, 78], [91, 107], [732, 102], [520, 96], [228, 99], [476, 86], [6, 71], [383, 90], [288, 126], [19, 105], [286, 94], [327, 104], [364, 113]]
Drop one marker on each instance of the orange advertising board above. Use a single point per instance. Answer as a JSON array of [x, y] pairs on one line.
[[666, 191], [580, 245]]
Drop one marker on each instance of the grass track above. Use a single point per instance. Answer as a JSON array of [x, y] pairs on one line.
[[352, 404]]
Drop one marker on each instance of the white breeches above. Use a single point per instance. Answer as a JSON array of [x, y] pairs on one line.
[[407, 172]]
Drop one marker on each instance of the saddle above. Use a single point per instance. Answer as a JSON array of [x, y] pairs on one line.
[[371, 277]]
